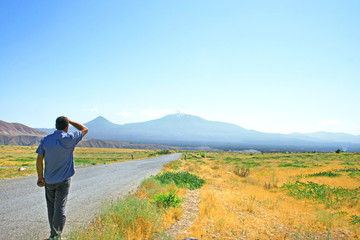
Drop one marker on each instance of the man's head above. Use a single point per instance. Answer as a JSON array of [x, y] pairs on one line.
[[62, 123]]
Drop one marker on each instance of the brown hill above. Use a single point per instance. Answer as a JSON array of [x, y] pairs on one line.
[[18, 129], [28, 140]]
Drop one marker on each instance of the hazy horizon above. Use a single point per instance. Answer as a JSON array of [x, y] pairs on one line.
[[179, 112], [279, 66]]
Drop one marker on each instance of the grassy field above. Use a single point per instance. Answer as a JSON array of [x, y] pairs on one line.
[[244, 196], [14, 157], [247, 196], [276, 196]]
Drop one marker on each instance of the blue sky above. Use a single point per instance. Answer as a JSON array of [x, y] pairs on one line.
[[272, 66]]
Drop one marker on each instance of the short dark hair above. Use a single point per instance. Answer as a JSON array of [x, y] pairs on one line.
[[61, 123]]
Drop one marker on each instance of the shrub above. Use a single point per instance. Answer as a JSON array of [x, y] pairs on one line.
[[181, 179], [175, 167], [202, 154], [164, 151], [296, 164], [242, 172], [324, 174], [167, 200], [321, 193], [267, 185], [354, 220]]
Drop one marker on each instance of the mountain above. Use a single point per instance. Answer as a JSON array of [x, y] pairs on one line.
[[189, 130], [101, 121], [18, 129], [175, 127], [185, 130], [96, 125]]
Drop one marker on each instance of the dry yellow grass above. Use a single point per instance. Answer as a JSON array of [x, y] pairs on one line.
[[14, 157], [234, 207], [107, 150]]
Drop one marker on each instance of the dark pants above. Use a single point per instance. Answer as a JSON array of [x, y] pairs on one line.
[[56, 196]]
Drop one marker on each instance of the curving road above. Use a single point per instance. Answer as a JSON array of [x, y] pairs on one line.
[[22, 204]]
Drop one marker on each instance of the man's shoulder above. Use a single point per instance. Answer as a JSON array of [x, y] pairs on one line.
[[55, 136], [49, 136], [72, 138], [75, 134]]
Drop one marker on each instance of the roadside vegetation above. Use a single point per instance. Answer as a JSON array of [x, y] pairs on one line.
[[14, 157], [145, 213]]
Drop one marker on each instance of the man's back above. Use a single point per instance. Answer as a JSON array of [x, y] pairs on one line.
[[58, 149]]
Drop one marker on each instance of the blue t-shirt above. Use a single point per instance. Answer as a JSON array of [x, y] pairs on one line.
[[58, 149]]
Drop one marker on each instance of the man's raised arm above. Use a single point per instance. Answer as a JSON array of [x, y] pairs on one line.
[[79, 127]]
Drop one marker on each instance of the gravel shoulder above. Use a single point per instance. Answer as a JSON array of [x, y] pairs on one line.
[[23, 208]]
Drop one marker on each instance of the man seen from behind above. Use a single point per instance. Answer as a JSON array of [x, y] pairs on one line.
[[57, 150]]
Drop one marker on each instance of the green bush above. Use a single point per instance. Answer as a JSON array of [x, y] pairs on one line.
[[202, 154], [321, 193], [293, 165], [162, 152], [181, 179], [325, 174], [175, 167], [167, 200], [355, 220]]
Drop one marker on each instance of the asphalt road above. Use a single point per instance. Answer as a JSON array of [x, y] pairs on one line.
[[23, 213]]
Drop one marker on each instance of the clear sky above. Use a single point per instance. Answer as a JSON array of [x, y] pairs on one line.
[[272, 66]]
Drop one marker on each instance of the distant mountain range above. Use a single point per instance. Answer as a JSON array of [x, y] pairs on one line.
[[189, 130], [18, 129], [185, 131], [22, 135]]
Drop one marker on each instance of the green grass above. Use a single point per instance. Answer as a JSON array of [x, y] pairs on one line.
[[245, 162], [351, 172], [28, 159], [13, 157], [354, 220], [296, 164], [321, 193], [175, 167], [162, 152], [181, 179], [325, 174], [167, 200]]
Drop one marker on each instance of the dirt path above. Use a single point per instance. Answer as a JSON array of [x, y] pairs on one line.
[[191, 211]]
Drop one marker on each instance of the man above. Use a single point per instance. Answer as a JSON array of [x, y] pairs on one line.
[[57, 149]]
